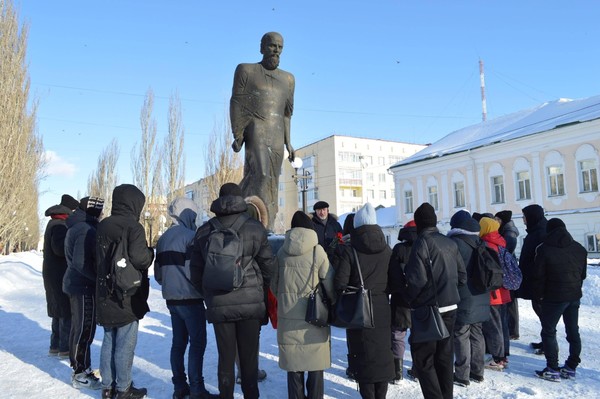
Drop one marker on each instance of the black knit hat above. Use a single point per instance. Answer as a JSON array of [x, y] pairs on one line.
[[320, 205], [554, 223], [505, 216], [92, 205], [69, 202], [425, 216], [463, 220], [301, 219], [230, 189], [348, 224]]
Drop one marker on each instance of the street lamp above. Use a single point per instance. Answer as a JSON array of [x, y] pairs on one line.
[[302, 179]]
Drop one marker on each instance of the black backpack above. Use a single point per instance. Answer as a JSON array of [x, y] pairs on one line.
[[487, 274], [223, 269], [122, 279]]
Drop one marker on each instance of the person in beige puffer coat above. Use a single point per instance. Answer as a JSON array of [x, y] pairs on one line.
[[302, 346]]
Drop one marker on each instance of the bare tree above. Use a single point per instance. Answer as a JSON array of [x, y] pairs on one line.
[[221, 164], [174, 159], [103, 180], [21, 166], [143, 157]]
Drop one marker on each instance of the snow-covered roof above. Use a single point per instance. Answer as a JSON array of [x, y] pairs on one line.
[[535, 120], [386, 217]]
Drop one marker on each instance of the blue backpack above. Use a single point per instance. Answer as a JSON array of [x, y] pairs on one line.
[[512, 272]]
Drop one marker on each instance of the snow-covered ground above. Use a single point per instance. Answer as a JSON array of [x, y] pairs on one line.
[[27, 372]]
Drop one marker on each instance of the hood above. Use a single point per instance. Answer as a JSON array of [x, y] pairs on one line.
[[408, 234], [534, 214], [299, 240], [559, 237], [184, 211], [128, 200], [58, 210], [228, 205], [78, 216], [369, 239]]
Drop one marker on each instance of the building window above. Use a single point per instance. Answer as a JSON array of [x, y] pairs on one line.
[[382, 178], [370, 195], [589, 176], [523, 186], [432, 195], [355, 193], [497, 189], [556, 180], [189, 194], [459, 194], [369, 177], [592, 243], [393, 194], [381, 161], [382, 194], [347, 156], [408, 201]]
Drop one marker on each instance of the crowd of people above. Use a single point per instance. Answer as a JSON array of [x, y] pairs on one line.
[[425, 268]]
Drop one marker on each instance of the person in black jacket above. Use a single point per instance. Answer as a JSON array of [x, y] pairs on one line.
[[396, 287], [435, 255], [370, 356], [510, 232], [236, 315], [326, 226], [53, 270], [473, 308], [79, 283], [534, 219], [120, 317], [560, 268]]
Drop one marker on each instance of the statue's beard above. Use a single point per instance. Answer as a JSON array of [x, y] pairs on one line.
[[271, 62]]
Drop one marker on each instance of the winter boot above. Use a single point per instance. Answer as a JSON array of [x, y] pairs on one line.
[[132, 393], [398, 371]]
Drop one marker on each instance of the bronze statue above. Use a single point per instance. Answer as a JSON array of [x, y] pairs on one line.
[[261, 107]]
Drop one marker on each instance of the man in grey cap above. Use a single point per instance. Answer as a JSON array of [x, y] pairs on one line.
[[326, 225]]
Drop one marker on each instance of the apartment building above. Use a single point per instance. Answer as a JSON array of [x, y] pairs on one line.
[[547, 155]]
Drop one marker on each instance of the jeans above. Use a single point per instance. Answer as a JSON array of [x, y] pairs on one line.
[[116, 356], [551, 314], [513, 315], [61, 329], [189, 324], [469, 351]]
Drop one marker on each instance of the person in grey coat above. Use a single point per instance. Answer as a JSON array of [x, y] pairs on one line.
[[184, 301], [301, 264], [473, 309]]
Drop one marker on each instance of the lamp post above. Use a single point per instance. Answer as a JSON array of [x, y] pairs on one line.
[[302, 179]]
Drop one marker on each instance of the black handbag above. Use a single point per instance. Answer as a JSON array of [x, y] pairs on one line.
[[427, 322], [318, 306], [354, 306]]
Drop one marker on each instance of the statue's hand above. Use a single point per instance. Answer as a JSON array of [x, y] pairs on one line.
[[237, 145], [292, 154]]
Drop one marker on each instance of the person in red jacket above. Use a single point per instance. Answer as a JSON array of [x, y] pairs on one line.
[[495, 330]]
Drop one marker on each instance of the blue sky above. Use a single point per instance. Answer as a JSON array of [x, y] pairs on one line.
[[394, 70]]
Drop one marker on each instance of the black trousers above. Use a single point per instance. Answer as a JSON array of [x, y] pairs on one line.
[[434, 363], [242, 335], [513, 315], [314, 385], [83, 329], [377, 390]]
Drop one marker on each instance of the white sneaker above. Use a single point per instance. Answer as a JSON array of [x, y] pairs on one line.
[[86, 380]]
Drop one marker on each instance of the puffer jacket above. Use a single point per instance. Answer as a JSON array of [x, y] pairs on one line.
[[173, 253], [448, 270], [501, 295], [509, 232], [127, 204], [560, 268], [472, 308], [248, 301], [369, 349], [536, 233], [54, 265], [301, 264], [80, 251]]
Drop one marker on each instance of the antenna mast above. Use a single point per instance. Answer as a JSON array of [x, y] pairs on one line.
[[482, 81]]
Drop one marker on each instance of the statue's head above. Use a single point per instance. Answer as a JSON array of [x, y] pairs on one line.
[[271, 46]]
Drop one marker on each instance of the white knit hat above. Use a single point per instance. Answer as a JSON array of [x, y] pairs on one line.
[[365, 215]]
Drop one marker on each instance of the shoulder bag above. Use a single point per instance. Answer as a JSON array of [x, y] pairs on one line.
[[318, 306]]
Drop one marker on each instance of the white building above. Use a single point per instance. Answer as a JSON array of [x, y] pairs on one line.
[[547, 155]]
